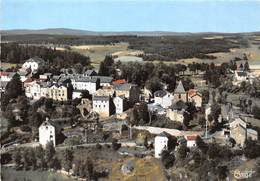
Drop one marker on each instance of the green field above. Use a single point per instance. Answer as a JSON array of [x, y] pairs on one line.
[[9, 174]]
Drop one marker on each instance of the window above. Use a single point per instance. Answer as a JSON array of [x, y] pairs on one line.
[[179, 96]]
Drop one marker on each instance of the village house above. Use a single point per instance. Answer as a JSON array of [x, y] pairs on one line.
[[160, 144], [90, 73], [102, 105], [156, 108], [91, 84], [104, 80], [196, 97], [180, 93], [47, 133], [163, 98], [105, 91], [120, 104], [59, 92], [240, 76], [45, 76], [240, 133], [129, 91], [191, 140], [85, 107], [175, 115], [33, 64]]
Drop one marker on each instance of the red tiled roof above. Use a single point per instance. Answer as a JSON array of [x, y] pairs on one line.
[[28, 80], [120, 81], [191, 137], [4, 73], [193, 92]]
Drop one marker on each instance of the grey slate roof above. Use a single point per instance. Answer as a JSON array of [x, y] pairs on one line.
[[180, 89], [242, 74], [100, 98], [90, 73], [104, 79], [86, 79], [35, 59], [160, 93], [125, 87]]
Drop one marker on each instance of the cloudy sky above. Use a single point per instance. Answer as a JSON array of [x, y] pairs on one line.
[[133, 15]]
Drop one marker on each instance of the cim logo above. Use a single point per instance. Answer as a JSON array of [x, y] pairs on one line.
[[243, 174]]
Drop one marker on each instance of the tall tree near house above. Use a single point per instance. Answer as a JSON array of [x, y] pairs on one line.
[[153, 84], [67, 158], [215, 111], [17, 158], [246, 66], [13, 90], [182, 151], [132, 120], [49, 152]]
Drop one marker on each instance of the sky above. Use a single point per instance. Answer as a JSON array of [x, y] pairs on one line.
[[133, 15]]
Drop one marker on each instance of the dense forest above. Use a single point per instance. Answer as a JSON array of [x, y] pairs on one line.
[[14, 53], [165, 48]]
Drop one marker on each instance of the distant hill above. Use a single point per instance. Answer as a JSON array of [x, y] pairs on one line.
[[65, 31]]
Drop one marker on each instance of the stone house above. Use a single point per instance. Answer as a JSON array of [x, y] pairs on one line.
[[191, 140], [129, 91], [102, 105], [47, 133], [196, 97], [163, 98], [175, 115], [33, 63], [180, 93], [120, 104], [160, 144]]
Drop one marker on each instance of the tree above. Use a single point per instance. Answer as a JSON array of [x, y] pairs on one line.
[[256, 112], [251, 149], [215, 111], [153, 84], [167, 159], [49, 153], [17, 158], [213, 151], [246, 66], [13, 90], [182, 151], [67, 158], [115, 144], [222, 172], [39, 153], [201, 144]]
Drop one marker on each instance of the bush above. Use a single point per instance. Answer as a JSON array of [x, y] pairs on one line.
[[75, 140], [115, 144], [25, 128], [167, 159], [98, 146]]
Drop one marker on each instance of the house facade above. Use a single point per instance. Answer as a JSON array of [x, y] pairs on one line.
[[47, 133], [191, 140], [129, 91], [120, 104], [101, 105], [163, 98], [180, 93], [160, 144], [91, 84], [33, 63], [175, 115], [196, 97]]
